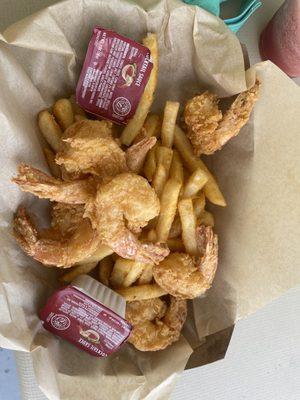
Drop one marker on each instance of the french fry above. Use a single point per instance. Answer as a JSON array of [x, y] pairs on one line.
[[50, 129], [146, 276], [135, 272], [176, 169], [120, 271], [104, 270], [79, 117], [188, 223], [164, 157], [206, 218], [176, 245], [169, 122], [176, 229], [77, 110], [76, 271], [199, 204], [102, 252], [195, 183], [141, 292], [168, 206], [159, 179], [150, 163], [135, 125], [50, 158], [183, 146], [152, 125], [63, 113]]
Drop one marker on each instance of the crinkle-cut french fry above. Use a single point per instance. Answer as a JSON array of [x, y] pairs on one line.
[[135, 125], [206, 218], [77, 110], [120, 270], [176, 245], [176, 169], [79, 117], [195, 183], [78, 270], [135, 272], [176, 228], [169, 122], [150, 163], [159, 179], [199, 204], [164, 156], [50, 129], [146, 276], [152, 125], [102, 252], [50, 158], [63, 113], [168, 207], [184, 147], [188, 223], [104, 270], [141, 292]]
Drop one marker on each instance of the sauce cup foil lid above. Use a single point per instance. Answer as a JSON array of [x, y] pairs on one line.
[[89, 315], [101, 293]]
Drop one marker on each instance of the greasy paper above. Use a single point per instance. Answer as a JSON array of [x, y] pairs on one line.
[[258, 172]]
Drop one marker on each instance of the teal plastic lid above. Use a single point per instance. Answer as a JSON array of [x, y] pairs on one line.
[[248, 7]]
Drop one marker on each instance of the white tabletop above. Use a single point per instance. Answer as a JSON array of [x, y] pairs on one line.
[[263, 358]]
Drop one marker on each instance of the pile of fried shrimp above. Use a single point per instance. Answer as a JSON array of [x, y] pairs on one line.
[[131, 204]]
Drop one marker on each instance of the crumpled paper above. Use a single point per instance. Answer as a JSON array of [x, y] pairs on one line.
[[258, 172]]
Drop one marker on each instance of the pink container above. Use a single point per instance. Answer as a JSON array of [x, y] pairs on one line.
[[280, 40]]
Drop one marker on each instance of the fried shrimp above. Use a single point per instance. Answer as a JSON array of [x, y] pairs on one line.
[[66, 217], [89, 148], [136, 154], [51, 249], [207, 129], [123, 206], [44, 186], [158, 333], [187, 277], [145, 310]]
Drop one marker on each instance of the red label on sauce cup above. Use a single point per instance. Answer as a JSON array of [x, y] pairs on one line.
[[114, 75], [84, 322]]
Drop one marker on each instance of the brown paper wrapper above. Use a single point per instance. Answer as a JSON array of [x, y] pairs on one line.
[[40, 60]]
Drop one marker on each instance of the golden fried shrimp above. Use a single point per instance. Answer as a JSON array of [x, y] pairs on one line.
[[50, 249], [207, 129], [89, 148], [136, 154], [159, 333], [34, 181], [123, 205], [145, 310], [187, 277], [66, 217]]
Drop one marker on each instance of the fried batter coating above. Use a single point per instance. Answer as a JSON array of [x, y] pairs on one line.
[[136, 154], [145, 310], [187, 277], [44, 186], [159, 333], [66, 217], [207, 129], [124, 203], [89, 148], [61, 251]]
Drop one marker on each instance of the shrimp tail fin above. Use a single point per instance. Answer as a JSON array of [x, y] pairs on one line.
[[207, 242], [136, 154]]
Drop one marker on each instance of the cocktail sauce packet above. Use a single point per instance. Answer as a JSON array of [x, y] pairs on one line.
[[88, 315], [114, 75]]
